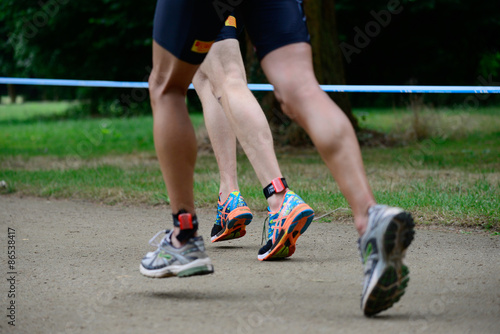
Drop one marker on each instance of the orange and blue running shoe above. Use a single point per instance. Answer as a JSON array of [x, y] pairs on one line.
[[232, 217], [285, 226]]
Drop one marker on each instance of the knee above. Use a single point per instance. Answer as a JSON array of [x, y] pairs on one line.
[[293, 96], [155, 83], [201, 82], [162, 86], [233, 79]]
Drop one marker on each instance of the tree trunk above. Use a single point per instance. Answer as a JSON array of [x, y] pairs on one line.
[[12, 93], [327, 58], [328, 65]]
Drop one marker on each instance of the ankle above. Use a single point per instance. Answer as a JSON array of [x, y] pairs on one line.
[[275, 201], [360, 212], [361, 224], [224, 194], [275, 192], [173, 240], [176, 242], [185, 227], [361, 220]]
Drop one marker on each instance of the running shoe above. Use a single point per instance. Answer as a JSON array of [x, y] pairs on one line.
[[285, 226], [383, 247], [232, 217], [168, 261]]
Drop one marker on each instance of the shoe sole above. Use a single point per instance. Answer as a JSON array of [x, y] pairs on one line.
[[394, 276], [197, 267], [236, 227], [291, 231]]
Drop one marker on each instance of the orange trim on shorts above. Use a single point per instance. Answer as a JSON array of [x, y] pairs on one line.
[[231, 21], [201, 46]]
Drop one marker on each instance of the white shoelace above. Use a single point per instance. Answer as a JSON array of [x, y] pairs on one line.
[[153, 241], [265, 231]]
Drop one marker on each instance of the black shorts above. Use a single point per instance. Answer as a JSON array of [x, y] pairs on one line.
[[232, 28], [272, 24], [188, 28]]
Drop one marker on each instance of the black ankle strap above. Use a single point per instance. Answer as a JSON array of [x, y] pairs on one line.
[[277, 185], [188, 224]]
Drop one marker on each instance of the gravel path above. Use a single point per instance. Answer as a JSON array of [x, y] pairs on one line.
[[76, 271]]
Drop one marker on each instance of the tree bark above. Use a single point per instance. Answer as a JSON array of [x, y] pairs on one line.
[[12, 93], [328, 66], [327, 57]]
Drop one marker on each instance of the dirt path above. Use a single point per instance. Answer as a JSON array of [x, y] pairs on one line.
[[77, 272]]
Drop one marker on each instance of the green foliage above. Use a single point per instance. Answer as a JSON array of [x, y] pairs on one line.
[[489, 65], [95, 39], [430, 42], [448, 42]]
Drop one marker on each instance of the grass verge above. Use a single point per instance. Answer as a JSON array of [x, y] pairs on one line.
[[447, 179]]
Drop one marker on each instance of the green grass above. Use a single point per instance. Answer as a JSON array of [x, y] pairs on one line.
[[452, 178], [30, 111], [32, 130], [449, 121], [473, 153]]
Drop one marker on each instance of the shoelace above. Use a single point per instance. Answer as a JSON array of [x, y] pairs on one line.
[[266, 224], [153, 241], [264, 231]]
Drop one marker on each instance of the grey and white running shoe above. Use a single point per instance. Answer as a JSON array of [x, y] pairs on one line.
[[168, 261], [382, 247]]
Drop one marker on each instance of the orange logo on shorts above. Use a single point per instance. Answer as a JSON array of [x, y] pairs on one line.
[[201, 46], [231, 21]]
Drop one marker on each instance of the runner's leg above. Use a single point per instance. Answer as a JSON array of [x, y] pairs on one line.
[[224, 66], [290, 70]]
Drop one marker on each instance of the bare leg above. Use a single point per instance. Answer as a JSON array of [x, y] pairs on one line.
[[221, 135], [224, 67], [174, 136], [290, 70]]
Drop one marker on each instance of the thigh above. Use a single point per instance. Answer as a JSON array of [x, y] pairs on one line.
[[272, 24], [224, 59], [223, 63], [187, 28], [169, 74], [290, 70]]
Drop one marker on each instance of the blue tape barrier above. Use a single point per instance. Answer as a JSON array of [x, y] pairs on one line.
[[268, 87]]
